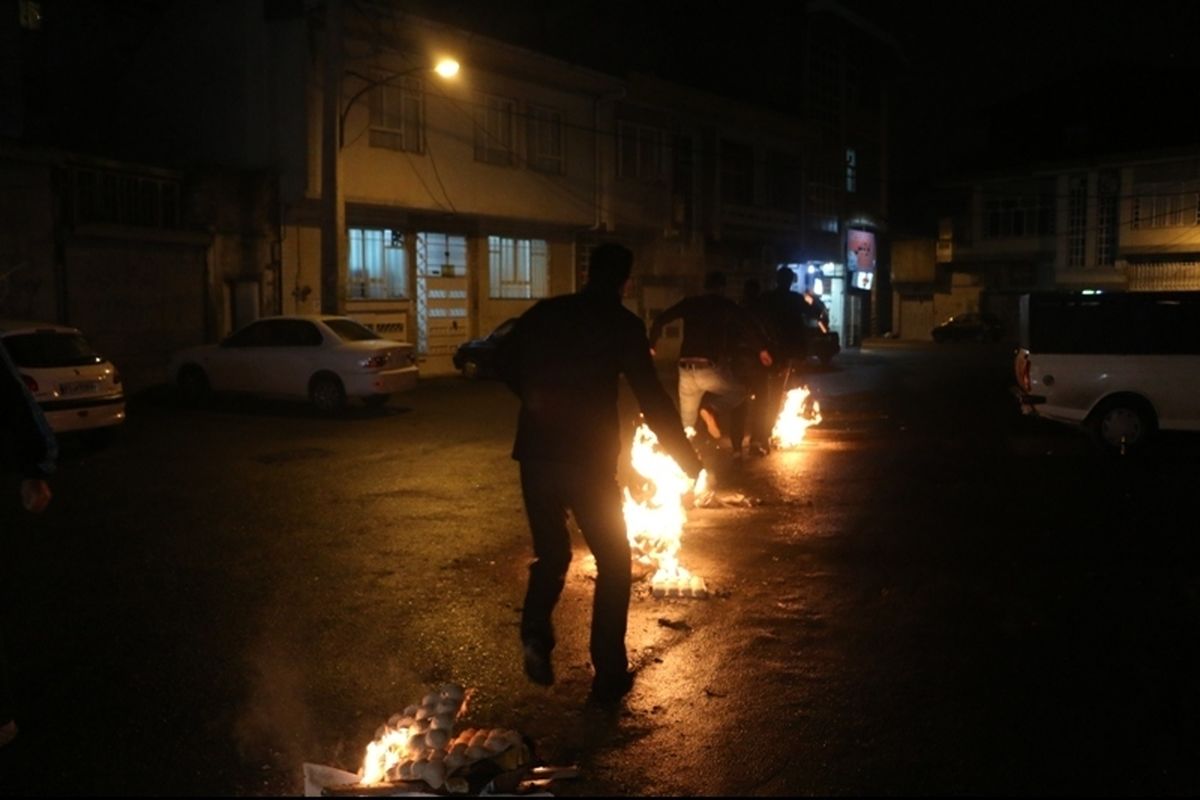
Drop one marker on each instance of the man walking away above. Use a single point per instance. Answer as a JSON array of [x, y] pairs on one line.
[[563, 359]]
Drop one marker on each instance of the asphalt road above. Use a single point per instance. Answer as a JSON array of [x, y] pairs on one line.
[[932, 595]]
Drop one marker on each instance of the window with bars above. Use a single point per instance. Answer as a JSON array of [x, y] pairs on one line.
[[544, 140], [639, 152], [495, 132], [377, 264], [104, 196], [397, 116], [518, 268], [1076, 220]]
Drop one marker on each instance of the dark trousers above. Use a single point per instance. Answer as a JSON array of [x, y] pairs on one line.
[[551, 489]]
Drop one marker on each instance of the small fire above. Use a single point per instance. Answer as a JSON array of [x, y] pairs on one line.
[[799, 413], [654, 522]]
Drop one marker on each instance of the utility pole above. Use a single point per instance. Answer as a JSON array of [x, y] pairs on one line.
[[333, 206]]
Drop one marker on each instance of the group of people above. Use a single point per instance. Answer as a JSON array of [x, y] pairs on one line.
[[563, 360]]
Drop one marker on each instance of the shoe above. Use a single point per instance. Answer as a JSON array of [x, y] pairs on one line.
[[758, 451], [607, 690], [8, 732], [537, 664]]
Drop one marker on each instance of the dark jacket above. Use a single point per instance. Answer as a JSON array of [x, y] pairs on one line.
[[33, 444], [785, 312], [563, 359], [714, 327]]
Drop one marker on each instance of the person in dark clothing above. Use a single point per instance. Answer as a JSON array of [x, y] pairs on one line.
[[563, 359], [35, 451], [784, 312], [752, 413], [714, 327]]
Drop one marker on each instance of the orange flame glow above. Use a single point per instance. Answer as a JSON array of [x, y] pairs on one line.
[[654, 523], [799, 413]]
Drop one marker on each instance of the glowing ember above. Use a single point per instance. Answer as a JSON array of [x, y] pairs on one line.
[[655, 518], [798, 414]]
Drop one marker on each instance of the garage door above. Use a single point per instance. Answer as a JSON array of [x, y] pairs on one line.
[[137, 302]]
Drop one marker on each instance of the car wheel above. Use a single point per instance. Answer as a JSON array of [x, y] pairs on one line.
[[470, 369], [376, 400], [1123, 424], [193, 384], [327, 394]]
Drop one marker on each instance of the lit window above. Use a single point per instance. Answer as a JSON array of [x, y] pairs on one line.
[[378, 264], [518, 268]]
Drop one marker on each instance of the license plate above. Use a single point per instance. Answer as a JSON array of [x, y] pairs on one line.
[[77, 387]]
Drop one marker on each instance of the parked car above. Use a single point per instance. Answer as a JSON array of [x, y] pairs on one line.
[[477, 358], [326, 359], [1123, 366], [78, 390], [971, 326], [822, 343]]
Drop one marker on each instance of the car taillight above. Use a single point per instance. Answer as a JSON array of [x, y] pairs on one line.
[[30, 383], [375, 362]]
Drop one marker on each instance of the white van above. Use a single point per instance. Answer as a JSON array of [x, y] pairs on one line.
[[1123, 365]]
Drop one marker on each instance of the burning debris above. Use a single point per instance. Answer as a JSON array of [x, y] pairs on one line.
[[655, 515], [800, 412], [421, 746]]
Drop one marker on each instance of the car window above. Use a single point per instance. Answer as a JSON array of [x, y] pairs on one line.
[[504, 328], [41, 349], [350, 331], [253, 335], [295, 333]]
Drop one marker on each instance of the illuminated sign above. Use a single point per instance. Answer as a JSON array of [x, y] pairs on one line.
[[860, 257]]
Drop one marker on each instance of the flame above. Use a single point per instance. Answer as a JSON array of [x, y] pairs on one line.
[[387, 752], [654, 519], [797, 415]]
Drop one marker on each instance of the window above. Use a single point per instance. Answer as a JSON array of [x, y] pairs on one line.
[[1107, 203], [378, 264], [1019, 213], [1165, 205], [1076, 220], [101, 196], [545, 140], [397, 116], [851, 170], [737, 173], [639, 152], [494, 132], [518, 268]]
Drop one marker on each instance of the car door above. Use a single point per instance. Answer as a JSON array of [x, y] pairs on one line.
[[295, 357], [231, 367]]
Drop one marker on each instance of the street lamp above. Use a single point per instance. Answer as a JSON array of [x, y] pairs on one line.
[[333, 199]]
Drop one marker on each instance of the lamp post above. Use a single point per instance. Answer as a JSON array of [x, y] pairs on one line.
[[333, 198]]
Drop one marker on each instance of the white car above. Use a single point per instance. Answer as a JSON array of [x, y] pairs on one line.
[[323, 358], [78, 390]]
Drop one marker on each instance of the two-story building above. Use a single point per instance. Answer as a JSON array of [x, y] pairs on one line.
[[317, 157], [1123, 222]]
